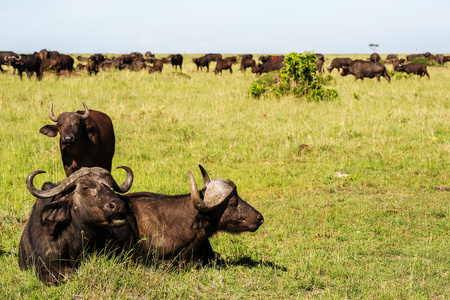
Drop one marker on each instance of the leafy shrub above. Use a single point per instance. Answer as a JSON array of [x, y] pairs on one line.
[[399, 75], [299, 78], [425, 61]]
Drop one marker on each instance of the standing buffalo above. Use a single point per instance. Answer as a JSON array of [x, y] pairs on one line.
[[43, 54], [64, 62], [338, 63], [374, 57], [48, 65], [319, 62], [225, 64], [201, 62], [3, 58], [412, 56], [213, 56], [180, 226], [176, 60], [158, 65], [247, 61], [366, 69], [29, 63], [79, 215], [267, 67], [414, 68], [86, 138]]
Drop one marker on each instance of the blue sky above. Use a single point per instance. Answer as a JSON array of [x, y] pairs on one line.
[[233, 26]]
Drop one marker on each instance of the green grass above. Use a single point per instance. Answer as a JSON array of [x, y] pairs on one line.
[[380, 233]]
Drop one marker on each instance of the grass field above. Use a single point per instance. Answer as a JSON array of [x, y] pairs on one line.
[[382, 232]]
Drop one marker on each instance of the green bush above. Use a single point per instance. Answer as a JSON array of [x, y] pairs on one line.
[[299, 78], [424, 61]]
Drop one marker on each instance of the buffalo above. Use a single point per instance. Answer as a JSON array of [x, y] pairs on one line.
[[158, 65], [86, 138], [225, 64], [176, 60], [213, 56], [267, 67], [247, 61], [43, 54], [414, 68], [179, 226], [319, 62], [91, 67], [366, 69], [4, 58], [201, 62], [29, 63], [375, 57], [338, 63], [64, 63], [410, 57], [48, 65], [79, 215]]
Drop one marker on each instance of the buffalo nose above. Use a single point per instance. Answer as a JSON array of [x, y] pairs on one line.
[[260, 218], [115, 207], [68, 139]]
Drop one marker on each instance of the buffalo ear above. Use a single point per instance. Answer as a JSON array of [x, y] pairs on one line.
[[55, 213], [49, 130]]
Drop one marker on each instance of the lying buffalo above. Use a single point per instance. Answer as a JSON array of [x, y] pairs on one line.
[[412, 68], [180, 226], [86, 138], [366, 69], [79, 215]]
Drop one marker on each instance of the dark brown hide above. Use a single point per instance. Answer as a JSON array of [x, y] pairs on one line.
[[81, 214], [414, 68], [88, 142], [366, 69], [179, 226], [338, 63]]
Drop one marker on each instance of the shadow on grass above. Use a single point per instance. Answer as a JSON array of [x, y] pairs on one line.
[[247, 261], [3, 252]]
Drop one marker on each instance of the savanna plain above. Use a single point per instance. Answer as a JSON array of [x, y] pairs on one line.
[[346, 187]]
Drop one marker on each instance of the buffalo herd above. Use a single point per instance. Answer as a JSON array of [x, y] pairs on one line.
[[89, 211], [52, 61]]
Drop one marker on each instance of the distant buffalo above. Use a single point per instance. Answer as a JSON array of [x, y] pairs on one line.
[[338, 63], [366, 69], [413, 68], [375, 57]]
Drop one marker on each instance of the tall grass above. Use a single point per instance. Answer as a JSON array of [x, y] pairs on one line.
[[380, 232]]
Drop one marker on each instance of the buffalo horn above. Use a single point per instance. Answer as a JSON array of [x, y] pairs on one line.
[[195, 195], [52, 116], [206, 179], [124, 187], [217, 192], [86, 112], [65, 185]]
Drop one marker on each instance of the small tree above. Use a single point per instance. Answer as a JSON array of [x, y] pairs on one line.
[[299, 77]]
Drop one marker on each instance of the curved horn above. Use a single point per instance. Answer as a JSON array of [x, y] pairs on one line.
[[52, 116], [86, 112], [124, 187], [195, 195], [65, 185], [206, 179]]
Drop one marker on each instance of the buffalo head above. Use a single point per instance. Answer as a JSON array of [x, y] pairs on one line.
[[87, 197], [69, 126], [220, 198]]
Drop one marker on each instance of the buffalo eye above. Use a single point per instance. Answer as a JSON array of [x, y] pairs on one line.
[[233, 202]]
